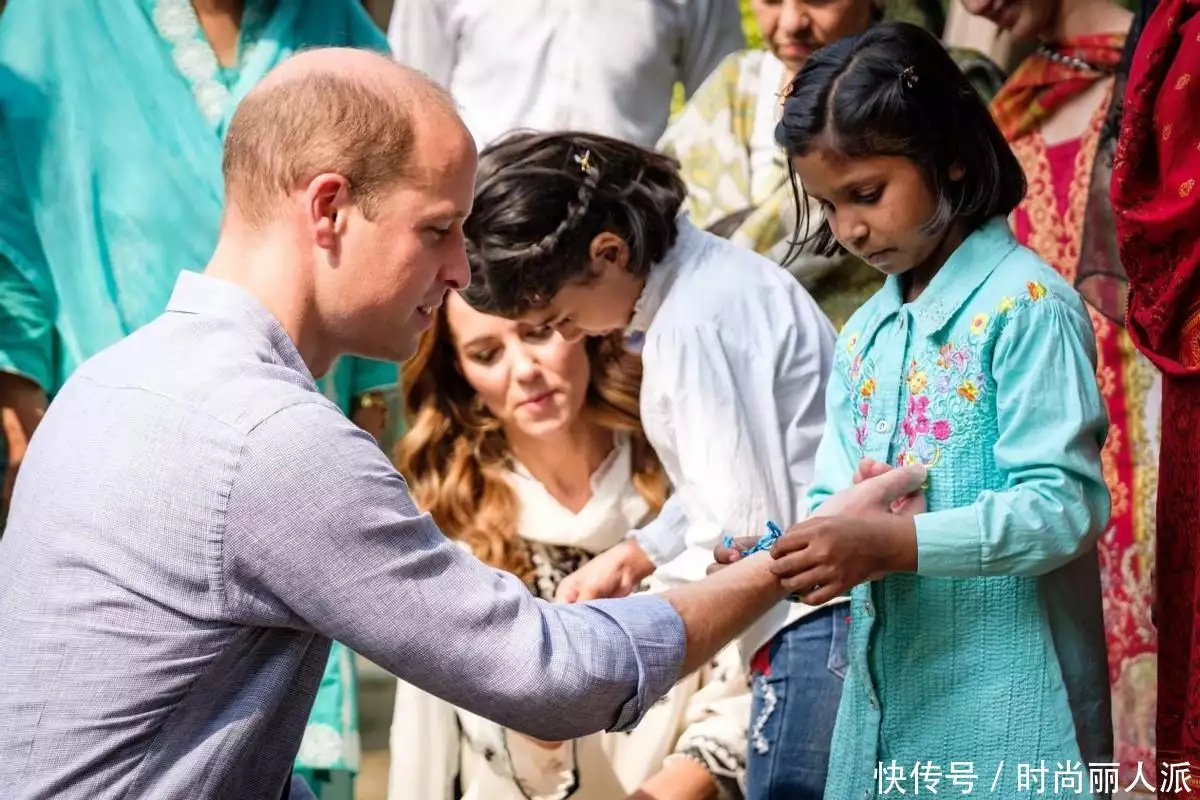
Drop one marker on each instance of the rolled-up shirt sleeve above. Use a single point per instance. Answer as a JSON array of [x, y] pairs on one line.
[[322, 534]]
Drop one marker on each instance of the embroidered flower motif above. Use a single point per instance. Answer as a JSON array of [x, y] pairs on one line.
[[855, 367], [949, 356], [860, 434], [1036, 290], [868, 387], [1185, 188], [969, 390], [1166, 134], [941, 429], [1006, 304], [979, 323], [1183, 81], [916, 421], [851, 341], [917, 381], [943, 384]]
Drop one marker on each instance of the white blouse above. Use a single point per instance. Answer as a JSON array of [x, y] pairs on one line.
[[736, 356]]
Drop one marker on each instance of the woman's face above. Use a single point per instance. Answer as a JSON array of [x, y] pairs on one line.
[[529, 377], [795, 29], [1022, 19]]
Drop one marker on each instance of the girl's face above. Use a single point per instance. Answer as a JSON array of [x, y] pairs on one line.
[[1022, 19], [875, 206], [530, 378], [600, 306], [795, 29]]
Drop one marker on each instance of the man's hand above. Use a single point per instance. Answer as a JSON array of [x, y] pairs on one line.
[[22, 404], [614, 573]]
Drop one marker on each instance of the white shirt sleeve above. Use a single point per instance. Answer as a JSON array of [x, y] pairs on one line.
[[422, 36], [713, 30], [743, 442]]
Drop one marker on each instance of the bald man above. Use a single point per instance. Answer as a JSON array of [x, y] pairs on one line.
[[194, 521]]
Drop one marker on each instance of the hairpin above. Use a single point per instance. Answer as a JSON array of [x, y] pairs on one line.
[[584, 160], [909, 77]]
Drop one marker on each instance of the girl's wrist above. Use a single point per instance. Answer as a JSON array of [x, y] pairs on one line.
[[901, 550]]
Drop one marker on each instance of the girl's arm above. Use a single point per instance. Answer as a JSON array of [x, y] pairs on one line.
[[1052, 426]]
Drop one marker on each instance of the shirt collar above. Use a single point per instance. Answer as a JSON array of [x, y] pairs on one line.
[[689, 242], [964, 272], [195, 293]]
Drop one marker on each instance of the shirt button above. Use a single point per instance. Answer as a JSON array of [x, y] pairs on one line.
[[870, 608], [872, 701], [903, 321], [882, 426]]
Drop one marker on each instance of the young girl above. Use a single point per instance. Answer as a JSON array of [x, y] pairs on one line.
[[976, 642]]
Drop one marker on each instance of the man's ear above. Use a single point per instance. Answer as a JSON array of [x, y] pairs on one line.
[[327, 201]]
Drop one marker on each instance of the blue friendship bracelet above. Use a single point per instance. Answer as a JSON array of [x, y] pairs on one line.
[[766, 542]]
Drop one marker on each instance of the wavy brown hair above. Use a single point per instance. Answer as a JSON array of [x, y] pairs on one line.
[[454, 453]]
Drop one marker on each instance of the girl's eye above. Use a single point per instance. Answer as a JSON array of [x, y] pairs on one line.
[[540, 333], [867, 197]]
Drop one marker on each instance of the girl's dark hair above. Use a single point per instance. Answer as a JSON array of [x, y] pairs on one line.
[[895, 91], [540, 199]]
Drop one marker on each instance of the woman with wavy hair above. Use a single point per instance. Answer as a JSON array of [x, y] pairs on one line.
[[528, 450]]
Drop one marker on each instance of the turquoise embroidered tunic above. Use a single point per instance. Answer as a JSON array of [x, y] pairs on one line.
[[990, 660]]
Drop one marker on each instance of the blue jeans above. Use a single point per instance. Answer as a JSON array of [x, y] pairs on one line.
[[797, 687]]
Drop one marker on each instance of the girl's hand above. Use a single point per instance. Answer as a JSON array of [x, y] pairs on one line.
[[824, 557], [910, 505], [614, 573]]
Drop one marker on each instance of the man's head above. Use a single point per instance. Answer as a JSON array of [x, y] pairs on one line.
[[362, 172]]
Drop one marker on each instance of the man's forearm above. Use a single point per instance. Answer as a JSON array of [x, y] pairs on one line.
[[715, 610]]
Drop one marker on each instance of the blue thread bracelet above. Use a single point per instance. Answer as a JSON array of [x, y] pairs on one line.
[[765, 542]]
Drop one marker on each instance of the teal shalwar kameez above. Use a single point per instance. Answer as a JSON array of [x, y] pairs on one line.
[[992, 655]]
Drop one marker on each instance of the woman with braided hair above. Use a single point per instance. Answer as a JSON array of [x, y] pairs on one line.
[[582, 234]]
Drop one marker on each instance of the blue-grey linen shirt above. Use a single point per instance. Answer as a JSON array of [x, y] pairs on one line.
[[193, 522]]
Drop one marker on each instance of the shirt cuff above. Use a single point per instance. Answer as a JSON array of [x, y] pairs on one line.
[[949, 543], [659, 642], [662, 542]]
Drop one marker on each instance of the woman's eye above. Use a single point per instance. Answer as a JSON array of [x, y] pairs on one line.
[[484, 357], [540, 333]]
